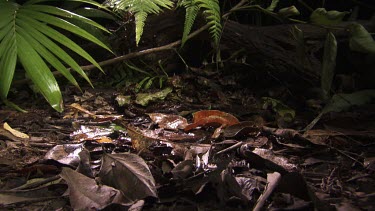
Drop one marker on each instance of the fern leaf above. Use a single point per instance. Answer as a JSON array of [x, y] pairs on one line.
[[140, 8], [191, 13], [212, 10], [140, 18]]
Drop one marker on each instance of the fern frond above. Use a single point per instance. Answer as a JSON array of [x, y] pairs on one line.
[[140, 18], [212, 10], [191, 13], [140, 8]]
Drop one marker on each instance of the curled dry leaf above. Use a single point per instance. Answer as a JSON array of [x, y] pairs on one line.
[[213, 118], [128, 173]]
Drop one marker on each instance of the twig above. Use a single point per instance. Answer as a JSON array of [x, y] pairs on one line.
[[234, 146], [273, 180]]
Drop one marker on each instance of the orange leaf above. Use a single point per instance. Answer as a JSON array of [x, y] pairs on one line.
[[213, 118]]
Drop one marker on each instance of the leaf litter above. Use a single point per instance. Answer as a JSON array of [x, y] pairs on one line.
[[180, 148]]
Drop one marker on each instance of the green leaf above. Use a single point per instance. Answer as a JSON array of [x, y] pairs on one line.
[[321, 16], [141, 9], [140, 18], [145, 98], [57, 36], [342, 102], [140, 84], [94, 13], [6, 31], [26, 34], [47, 55], [191, 13], [52, 47], [8, 53], [273, 5], [63, 24], [212, 10], [149, 83], [39, 73], [329, 63], [360, 40], [64, 13]]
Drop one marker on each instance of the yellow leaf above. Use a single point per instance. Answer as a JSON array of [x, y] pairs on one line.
[[15, 132]]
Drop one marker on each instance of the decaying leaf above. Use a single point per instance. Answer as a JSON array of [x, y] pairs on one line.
[[213, 118], [26, 196], [86, 194], [65, 154], [169, 121], [128, 173], [242, 128], [145, 98], [123, 100]]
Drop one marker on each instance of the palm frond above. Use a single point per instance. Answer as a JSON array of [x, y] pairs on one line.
[[27, 33], [140, 8]]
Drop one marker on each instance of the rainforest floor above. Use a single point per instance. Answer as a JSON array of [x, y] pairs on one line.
[[198, 140]]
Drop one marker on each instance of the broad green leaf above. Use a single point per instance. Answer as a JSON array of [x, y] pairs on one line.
[[64, 13], [57, 36], [94, 3], [5, 31], [321, 16], [94, 13], [8, 53], [329, 63], [31, 2], [47, 55], [342, 102], [63, 24], [52, 47], [39, 73], [5, 20], [360, 40], [6, 6], [273, 5]]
